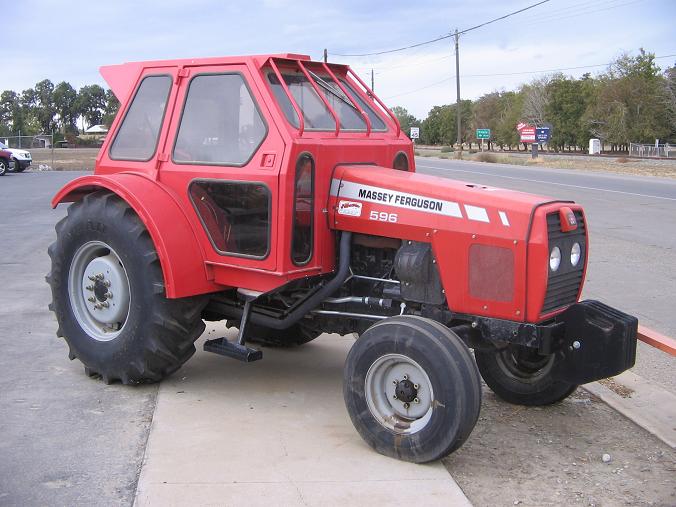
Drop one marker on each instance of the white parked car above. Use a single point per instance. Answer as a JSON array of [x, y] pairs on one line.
[[21, 158]]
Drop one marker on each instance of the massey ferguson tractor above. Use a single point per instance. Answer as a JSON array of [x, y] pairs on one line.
[[279, 194]]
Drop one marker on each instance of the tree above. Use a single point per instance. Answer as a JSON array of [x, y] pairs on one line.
[[406, 119], [536, 99], [11, 113], [511, 106], [440, 126], [564, 110], [29, 108], [65, 104], [91, 103], [112, 106], [44, 105]]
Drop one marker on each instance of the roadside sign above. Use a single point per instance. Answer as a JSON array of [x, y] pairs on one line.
[[415, 132], [527, 134], [483, 133], [542, 135]]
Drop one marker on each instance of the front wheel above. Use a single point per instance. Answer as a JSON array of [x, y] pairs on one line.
[[412, 389], [18, 168], [4, 165], [521, 376], [108, 295]]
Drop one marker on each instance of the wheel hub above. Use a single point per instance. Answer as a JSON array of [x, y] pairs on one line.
[[399, 393], [406, 391], [99, 290]]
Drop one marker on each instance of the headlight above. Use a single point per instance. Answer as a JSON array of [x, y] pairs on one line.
[[555, 258], [575, 254]]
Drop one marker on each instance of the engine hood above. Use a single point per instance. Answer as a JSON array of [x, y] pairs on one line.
[[415, 200]]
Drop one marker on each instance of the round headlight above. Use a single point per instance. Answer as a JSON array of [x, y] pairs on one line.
[[575, 254], [555, 258]]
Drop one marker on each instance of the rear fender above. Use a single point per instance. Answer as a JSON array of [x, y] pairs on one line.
[[178, 249]]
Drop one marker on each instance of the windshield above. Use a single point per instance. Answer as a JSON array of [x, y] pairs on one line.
[[315, 113]]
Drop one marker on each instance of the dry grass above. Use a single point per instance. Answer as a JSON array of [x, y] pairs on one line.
[[489, 158]]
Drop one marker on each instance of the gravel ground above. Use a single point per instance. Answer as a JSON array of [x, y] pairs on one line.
[[65, 159], [519, 456]]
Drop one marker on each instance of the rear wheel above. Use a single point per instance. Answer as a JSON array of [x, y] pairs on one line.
[[4, 166], [108, 295], [412, 389], [521, 376]]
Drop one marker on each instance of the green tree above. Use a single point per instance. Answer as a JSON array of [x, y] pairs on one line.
[[65, 104], [44, 106], [564, 110], [439, 127], [112, 107], [11, 113], [91, 103], [406, 119], [511, 107]]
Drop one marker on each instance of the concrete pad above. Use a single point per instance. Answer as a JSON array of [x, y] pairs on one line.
[[645, 403], [274, 432]]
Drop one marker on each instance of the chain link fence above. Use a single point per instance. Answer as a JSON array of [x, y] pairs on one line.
[[38, 141], [650, 150]]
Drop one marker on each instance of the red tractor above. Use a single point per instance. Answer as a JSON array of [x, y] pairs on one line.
[[279, 194]]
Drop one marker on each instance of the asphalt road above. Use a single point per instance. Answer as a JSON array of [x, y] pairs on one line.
[[65, 439], [632, 227]]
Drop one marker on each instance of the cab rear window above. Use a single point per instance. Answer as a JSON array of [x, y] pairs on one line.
[[315, 113], [137, 137]]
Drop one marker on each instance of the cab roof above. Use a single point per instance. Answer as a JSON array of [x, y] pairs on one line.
[[122, 78]]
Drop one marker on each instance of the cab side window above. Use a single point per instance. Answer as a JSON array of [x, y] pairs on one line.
[[137, 137], [220, 124]]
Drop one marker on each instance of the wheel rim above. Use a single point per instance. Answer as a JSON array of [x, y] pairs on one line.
[[98, 288], [523, 364], [399, 394]]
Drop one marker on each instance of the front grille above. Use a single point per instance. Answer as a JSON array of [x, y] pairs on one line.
[[563, 285]]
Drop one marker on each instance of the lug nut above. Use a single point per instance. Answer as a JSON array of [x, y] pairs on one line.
[[97, 306], [406, 405], [416, 400], [109, 295], [91, 299], [99, 276], [105, 304], [394, 396], [89, 287], [92, 278], [395, 382], [106, 283], [415, 386], [405, 377]]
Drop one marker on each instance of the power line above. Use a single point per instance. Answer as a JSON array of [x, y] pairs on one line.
[[446, 80], [442, 37]]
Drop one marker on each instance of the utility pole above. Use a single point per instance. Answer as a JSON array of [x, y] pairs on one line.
[[457, 84], [326, 55], [372, 83]]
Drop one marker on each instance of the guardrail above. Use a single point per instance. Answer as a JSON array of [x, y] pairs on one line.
[[657, 340]]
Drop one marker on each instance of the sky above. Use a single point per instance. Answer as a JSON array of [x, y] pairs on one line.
[[69, 40]]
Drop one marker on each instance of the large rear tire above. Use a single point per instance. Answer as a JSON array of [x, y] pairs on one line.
[[412, 389], [521, 376], [109, 299]]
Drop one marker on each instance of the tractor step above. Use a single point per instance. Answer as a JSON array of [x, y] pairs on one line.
[[240, 352]]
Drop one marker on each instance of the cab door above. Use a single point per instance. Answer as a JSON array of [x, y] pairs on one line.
[[221, 159]]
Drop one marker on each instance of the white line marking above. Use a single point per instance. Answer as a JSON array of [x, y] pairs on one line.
[[546, 182], [503, 218], [476, 213]]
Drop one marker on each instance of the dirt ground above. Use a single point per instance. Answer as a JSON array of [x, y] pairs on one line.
[[620, 165], [65, 159], [517, 456]]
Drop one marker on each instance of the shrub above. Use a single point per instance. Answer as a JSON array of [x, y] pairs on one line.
[[487, 157], [446, 149]]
